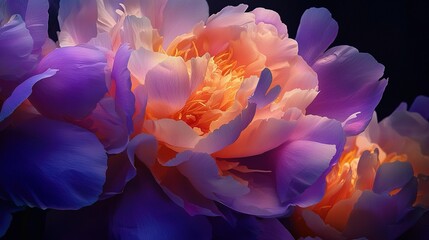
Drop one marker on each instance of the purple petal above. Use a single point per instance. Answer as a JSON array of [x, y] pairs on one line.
[[203, 173], [50, 164], [120, 170], [391, 176], [16, 46], [76, 88], [181, 16], [262, 96], [303, 163], [21, 93], [348, 80], [145, 212], [272, 229], [36, 19], [316, 31], [227, 133], [421, 105], [78, 21], [107, 125], [125, 99]]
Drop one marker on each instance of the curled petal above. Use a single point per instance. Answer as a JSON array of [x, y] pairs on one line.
[[125, 99], [21, 93], [50, 164], [76, 88], [268, 16]]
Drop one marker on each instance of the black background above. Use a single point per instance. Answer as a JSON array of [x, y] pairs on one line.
[[394, 32]]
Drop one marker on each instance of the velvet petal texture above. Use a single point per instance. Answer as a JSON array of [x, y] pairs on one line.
[[50, 164], [348, 79], [77, 87]]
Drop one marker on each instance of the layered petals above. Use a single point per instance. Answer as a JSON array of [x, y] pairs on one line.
[[353, 78], [378, 188], [62, 166], [347, 78], [291, 174], [68, 95]]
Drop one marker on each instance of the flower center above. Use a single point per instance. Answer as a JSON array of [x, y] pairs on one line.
[[215, 95]]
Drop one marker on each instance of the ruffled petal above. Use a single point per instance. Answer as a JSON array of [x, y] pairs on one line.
[[78, 21], [21, 93], [268, 16], [348, 80], [316, 31], [50, 164], [16, 46], [76, 88], [180, 16], [145, 212]]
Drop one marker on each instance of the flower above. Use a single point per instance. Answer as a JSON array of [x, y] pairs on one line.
[[378, 189], [220, 116], [230, 117]]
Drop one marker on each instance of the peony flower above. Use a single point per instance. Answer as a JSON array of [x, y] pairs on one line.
[[231, 117], [378, 189], [221, 111]]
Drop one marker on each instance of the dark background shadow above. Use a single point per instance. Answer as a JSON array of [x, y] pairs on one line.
[[394, 32]]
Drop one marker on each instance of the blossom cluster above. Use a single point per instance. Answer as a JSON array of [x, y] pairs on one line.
[[150, 119]]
